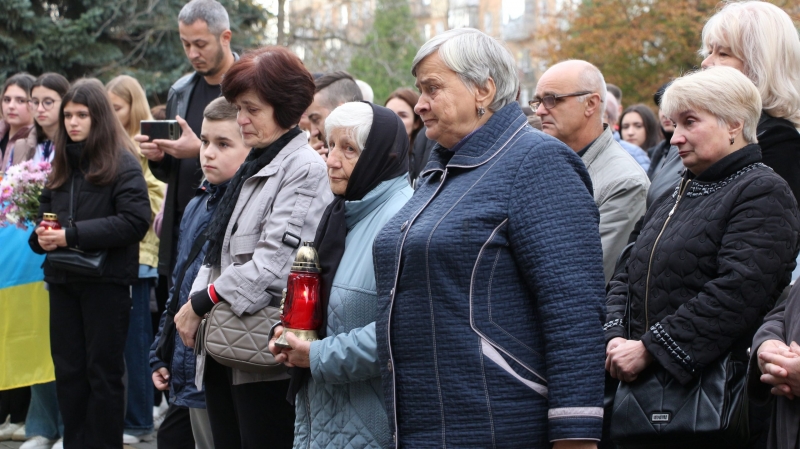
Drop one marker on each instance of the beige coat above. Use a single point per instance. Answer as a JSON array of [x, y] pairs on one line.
[[620, 192], [288, 196]]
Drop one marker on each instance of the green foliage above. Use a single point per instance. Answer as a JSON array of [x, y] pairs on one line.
[[384, 60], [106, 38]]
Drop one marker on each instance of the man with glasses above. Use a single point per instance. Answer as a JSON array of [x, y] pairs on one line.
[[570, 99]]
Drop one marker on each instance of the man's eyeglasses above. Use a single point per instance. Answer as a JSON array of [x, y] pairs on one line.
[[47, 103], [549, 101]]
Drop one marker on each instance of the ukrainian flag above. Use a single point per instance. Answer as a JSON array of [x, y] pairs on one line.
[[24, 313]]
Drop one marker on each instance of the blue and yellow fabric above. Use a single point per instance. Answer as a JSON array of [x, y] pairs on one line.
[[24, 313]]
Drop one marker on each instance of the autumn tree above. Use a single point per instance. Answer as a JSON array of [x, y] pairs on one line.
[[105, 38], [384, 59], [637, 44]]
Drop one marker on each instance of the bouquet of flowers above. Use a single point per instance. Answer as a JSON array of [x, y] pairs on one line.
[[19, 193]]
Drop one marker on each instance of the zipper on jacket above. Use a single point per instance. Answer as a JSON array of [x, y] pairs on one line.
[[391, 304], [653, 251]]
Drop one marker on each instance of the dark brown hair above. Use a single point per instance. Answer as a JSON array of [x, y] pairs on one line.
[[54, 82], [23, 80], [651, 129], [107, 140], [411, 98], [278, 77]]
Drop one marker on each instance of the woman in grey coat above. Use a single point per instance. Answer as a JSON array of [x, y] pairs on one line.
[[775, 371]]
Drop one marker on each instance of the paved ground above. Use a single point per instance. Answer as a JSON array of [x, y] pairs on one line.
[[15, 445]]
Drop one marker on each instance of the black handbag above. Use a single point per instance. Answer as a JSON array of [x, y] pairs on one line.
[[86, 263], [655, 410], [165, 347]]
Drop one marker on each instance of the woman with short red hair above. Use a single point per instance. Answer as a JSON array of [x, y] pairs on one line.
[[272, 205]]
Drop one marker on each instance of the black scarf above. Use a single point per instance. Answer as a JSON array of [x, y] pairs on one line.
[[255, 161], [384, 157]]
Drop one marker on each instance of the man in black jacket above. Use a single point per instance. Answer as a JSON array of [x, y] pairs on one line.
[[206, 37]]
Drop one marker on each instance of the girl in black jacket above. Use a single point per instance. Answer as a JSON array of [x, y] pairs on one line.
[[99, 194]]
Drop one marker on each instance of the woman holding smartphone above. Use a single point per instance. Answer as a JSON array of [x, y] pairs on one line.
[[99, 195]]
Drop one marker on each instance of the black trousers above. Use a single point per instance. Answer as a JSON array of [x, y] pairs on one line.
[[176, 430], [15, 403], [247, 416], [88, 328]]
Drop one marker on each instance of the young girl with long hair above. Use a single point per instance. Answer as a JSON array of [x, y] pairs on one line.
[[99, 195], [130, 104]]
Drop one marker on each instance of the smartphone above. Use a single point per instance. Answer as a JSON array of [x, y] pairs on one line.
[[161, 129]]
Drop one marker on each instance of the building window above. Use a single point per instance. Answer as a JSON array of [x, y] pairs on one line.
[[427, 31], [343, 14], [487, 23]]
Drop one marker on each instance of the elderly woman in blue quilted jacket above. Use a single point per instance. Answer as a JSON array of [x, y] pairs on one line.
[[490, 279], [336, 382], [712, 257]]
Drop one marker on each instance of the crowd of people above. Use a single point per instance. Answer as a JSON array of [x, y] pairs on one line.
[[569, 274]]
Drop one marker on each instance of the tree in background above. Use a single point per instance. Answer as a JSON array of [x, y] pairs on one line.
[[637, 44], [384, 59], [106, 38]]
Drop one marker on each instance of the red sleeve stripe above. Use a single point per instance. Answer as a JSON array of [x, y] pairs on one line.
[[212, 294]]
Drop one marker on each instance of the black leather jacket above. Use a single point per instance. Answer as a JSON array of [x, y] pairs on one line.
[[709, 263]]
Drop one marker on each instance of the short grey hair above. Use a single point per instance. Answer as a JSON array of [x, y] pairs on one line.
[[591, 79], [612, 109], [355, 118], [723, 92], [475, 57], [209, 11]]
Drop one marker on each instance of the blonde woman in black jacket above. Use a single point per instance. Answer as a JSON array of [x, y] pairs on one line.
[[99, 194]]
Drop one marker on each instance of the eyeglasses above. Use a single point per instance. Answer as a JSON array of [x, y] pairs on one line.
[[549, 101], [47, 103]]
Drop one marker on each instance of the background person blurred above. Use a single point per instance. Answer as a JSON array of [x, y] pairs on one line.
[[43, 425], [639, 126], [100, 196], [475, 226], [402, 102], [273, 205], [366, 90], [341, 387], [569, 99], [663, 151], [610, 117], [17, 120], [760, 40], [16, 124], [130, 104], [728, 251], [332, 90]]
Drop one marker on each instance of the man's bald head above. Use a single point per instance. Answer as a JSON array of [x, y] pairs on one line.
[[574, 119]]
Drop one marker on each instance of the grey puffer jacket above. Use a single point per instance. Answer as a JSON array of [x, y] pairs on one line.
[[709, 263]]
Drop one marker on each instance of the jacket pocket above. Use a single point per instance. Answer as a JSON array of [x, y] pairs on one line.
[[519, 371]]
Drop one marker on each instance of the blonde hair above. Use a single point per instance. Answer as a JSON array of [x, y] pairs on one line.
[[765, 39], [131, 92], [723, 92]]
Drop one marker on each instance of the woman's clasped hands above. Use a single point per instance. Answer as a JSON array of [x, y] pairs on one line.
[[50, 239], [625, 359], [780, 367], [296, 356]]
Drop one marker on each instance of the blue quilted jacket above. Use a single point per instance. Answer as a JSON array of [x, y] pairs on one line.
[[198, 213], [341, 406], [491, 296]]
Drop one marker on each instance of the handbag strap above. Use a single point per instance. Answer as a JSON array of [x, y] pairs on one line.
[[196, 247]]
